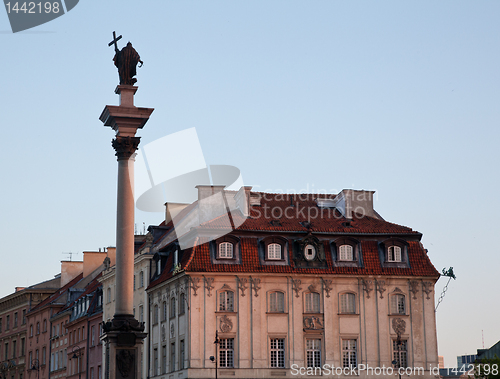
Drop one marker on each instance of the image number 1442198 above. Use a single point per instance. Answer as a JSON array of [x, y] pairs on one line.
[[29, 14]]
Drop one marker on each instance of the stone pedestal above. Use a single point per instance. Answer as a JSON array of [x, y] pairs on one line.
[[124, 334]]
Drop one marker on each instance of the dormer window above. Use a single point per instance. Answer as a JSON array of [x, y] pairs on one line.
[[274, 251], [226, 250], [394, 254], [309, 252], [346, 253]]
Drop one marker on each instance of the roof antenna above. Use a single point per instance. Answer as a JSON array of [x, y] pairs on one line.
[[135, 229], [70, 255], [482, 333], [143, 228]]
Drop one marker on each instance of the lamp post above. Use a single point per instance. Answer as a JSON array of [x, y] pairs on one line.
[[77, 353], [35, 365], [214, 358]]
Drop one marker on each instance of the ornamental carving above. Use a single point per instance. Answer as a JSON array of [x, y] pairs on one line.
[[313, 323], [125, 362], [242, 285], [296, 286], [367, 287], [226, 325], [380, 287], [209, 286], [172, 330], [327, 285], [399, 325], [194, 285], [413, 284], [163, 333], [255, 285], [125, 147], [427, 288]]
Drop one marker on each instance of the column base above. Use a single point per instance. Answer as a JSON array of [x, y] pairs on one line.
[[123, 338]]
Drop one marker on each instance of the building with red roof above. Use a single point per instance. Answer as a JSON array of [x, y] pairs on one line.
[[288, 285]]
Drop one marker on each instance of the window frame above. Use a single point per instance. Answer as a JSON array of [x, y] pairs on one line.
[[347, 303], [395, 305], [350, 254], [309, 247], [313, 350], [278, 359], [396, 253], [226, 304], [225, 244], [274, 306], [226, 352], [397, 355], [309, 306], [270, 255], [348, 352]]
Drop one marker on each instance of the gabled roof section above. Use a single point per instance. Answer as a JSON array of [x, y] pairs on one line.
[[58, 294]]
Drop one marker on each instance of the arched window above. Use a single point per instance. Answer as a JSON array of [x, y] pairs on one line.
[[398, 304], [31, 330], [277, 302], [226, 301], [312, 302], [345, 253], [394, 254], [44, 325], [141, 279], [274, 251], [37, 328], [347, 303], [225, 250]]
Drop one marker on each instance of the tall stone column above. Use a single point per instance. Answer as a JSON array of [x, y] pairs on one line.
[[124, 334]]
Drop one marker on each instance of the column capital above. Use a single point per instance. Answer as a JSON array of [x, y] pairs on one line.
[[125, 146]]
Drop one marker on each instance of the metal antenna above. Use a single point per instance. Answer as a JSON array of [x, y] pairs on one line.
[[70, 255]]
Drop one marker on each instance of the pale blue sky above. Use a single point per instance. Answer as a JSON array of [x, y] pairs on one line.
[[397, 97]]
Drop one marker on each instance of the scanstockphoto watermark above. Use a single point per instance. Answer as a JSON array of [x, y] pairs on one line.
[[361, 369]]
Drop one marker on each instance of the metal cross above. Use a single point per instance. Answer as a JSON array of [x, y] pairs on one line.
[[115, 40]]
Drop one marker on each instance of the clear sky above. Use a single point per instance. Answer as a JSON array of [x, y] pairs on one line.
[[397, 97]]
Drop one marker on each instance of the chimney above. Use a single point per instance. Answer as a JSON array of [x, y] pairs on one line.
[[211, 202], [70, 270], [91, 261], [242, 199], [19, 289], [172, 210], [112, 255], [349, 201]]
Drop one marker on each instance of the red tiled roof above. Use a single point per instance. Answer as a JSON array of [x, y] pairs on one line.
[[323, 221]]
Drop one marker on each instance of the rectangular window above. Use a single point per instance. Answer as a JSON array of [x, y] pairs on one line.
[[99, 372], [155, 362], [44, 353], [278, 352], [24, 316], [22, 346], [91, 373], [172, 307], [346, 253], [226, 352], [182, 304], [15, 320], [7, 324], [14, 348], [92, 333], [349, 353], [172, 357], [141, 313], [182, 355], [0, 325], [6, 351], [313, 352], [164, 359], [400, 353], [164, 311]]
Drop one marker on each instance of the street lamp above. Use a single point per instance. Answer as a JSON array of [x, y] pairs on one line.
[[214, 358], [77, 353], [35, 365]]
